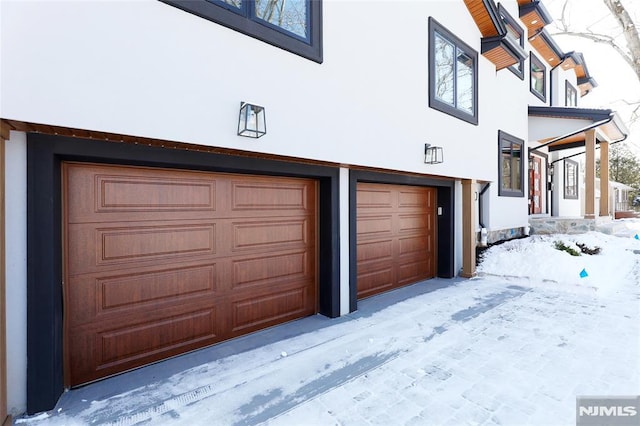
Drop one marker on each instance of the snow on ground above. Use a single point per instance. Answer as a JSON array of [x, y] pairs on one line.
[[514, 346], [540, 263]]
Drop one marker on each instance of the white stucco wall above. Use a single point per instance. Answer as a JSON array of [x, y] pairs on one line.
[[559, 77], [148, 69], [16, 270], [560, 205]]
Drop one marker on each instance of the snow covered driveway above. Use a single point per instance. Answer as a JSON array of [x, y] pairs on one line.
[[499, 349]]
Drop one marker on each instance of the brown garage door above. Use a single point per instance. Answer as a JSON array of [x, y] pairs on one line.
[[396, 236], [159, 262]]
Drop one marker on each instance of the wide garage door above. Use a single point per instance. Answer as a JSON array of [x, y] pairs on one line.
[[159, 262], [396, 236]]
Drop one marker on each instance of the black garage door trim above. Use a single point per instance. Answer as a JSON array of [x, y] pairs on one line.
[[44, 236], [445, 225]]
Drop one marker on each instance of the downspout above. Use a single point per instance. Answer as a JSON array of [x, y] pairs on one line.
[[483, 230]]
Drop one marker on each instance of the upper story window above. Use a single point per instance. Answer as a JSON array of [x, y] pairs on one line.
[[570, 179], [293, 25], [517, 34], [570, 94], [511, 165], [453, 74], [538, 78]]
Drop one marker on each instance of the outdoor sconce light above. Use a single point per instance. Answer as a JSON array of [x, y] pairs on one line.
[[432, 154], [251, 123]]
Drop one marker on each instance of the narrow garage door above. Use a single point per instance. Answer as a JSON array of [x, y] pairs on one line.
[[396, 236], [160, 262]]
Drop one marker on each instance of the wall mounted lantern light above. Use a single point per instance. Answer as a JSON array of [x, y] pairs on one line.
[[433, 154], [252, 122]]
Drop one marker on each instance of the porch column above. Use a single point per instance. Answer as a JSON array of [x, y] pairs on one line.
[[605, 208], [590, 175], [468, 228], [4, 135]]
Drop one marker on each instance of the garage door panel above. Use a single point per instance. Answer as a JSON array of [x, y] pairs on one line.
[[92, 247], [103, 352], [126, 194], [264, 196], [373, 281], [374, 198], [394, 248], [374, 226], [412, 199], [410, 245], [416, 223], [145, 242], [138, 289], [116, 294], [270, 309], [125, 298], [412, 271], [95, 193], [270, 234], [375, 250], [271, 268], [129, 342]]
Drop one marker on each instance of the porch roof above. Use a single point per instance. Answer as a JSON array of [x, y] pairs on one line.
[[565, 127]]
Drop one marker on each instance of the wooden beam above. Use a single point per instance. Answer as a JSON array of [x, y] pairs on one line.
[[590, 175], [605, 207], [468, 228]]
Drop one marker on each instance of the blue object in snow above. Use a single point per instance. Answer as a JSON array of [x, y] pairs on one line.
[[583, 273], [636, 237]]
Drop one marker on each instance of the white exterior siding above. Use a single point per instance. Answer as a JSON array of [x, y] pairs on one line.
[[148, 69], [16, 270]]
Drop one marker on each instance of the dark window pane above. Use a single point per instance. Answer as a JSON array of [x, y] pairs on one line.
[[511, 166], [290, 15], [234, 3], [444, 70], [465, 83]]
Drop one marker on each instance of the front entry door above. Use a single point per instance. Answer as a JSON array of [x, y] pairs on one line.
[[535, 186]]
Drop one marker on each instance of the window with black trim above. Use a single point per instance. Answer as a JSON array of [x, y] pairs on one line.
[[453, 74], [293, 25], [538, 78], [570, 180], [570, 94], [517, 34], [511, 182]]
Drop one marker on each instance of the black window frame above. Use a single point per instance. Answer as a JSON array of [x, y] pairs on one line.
[[504, 137], [533, 59], [573, 195], [517, 69], [569, 88], [434, 102], [239, 19]]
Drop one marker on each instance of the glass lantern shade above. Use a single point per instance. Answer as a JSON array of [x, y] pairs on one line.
[[252, 122]]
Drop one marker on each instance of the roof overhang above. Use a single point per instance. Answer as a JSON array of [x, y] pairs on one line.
[[547, 47], [565, 127], [534, 15], [503, 51], [496, 45]]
